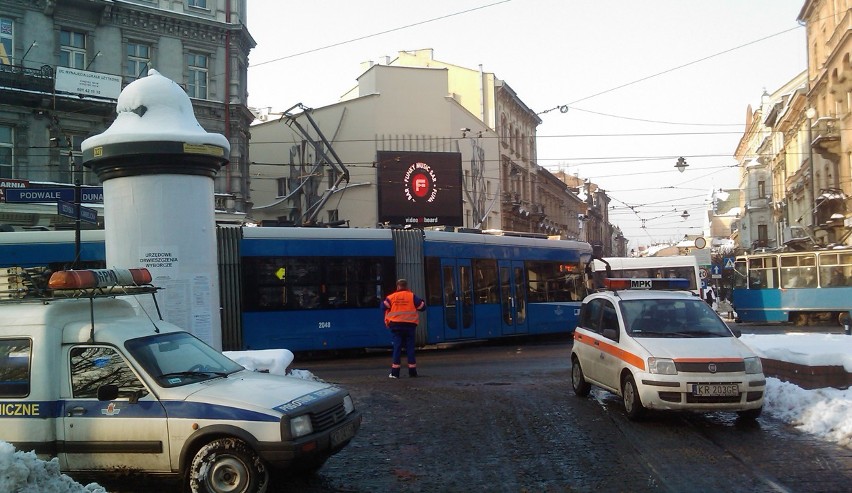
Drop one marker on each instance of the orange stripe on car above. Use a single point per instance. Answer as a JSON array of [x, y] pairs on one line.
[[626, 356]]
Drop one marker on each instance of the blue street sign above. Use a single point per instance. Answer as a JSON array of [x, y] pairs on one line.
[[67, 209], [728, 262], [715, 270], [88, 195]]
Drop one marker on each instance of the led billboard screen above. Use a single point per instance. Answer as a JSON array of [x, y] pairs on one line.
[[420, 188]]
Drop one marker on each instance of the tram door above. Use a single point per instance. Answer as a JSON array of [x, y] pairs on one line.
[[513, 297], [457, 283]]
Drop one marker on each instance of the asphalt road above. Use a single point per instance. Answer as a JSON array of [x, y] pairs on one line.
[[504, 418]]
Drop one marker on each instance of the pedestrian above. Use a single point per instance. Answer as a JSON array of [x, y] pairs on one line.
[[401, 319], [710, 297]]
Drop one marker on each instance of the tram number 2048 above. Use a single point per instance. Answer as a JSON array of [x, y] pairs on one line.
[[324, 325]]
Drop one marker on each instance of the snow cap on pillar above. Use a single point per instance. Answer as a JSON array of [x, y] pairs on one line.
[[155, 132]]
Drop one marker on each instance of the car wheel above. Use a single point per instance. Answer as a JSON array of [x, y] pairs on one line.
[[578, 380], [630, 394], [750, 414], [227, 465]]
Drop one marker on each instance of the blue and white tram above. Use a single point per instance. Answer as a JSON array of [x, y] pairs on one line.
[[308, 289], [52, 249], [799, 287]]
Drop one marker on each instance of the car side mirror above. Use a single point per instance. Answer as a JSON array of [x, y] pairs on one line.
[[737, 333], [108, 392]]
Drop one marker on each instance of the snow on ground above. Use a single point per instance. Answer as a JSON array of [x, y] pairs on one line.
[[826, 413], [23, 472]]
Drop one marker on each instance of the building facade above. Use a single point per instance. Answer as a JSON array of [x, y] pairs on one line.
[[330, 165], [63, 64], [829, 116], [413, 103]]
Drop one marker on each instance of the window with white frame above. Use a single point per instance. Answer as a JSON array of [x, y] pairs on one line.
[[72, 49], [7, 155], [197, 69], [199, 4], [138, 59], [6, 37]]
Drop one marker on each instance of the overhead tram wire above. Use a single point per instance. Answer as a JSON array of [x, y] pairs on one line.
[[627, 84], [387, 31]]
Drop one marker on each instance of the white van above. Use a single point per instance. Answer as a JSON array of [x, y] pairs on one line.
[[87, 379]]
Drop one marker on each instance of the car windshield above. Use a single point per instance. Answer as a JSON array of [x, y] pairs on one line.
[[672, 318], [179, 358]]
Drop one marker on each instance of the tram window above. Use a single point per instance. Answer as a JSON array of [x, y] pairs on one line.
[[485, 281], [740, 276], [305, 283], [835, 269], [763, 273], [798, 271], [553, 281]]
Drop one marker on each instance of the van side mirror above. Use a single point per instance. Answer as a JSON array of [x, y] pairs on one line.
[[108, 392]]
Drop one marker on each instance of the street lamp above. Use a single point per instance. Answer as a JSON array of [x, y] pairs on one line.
[[685, 215], [34, 44], [811, 113], [681, 164]]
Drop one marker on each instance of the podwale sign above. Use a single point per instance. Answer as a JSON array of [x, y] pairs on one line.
[[420, 188]]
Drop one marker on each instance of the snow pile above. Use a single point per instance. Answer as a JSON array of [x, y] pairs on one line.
[[24, 472], [803, 349], [826, 413]]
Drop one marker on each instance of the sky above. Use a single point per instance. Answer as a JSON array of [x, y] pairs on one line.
[[644, 82], [825, 413]]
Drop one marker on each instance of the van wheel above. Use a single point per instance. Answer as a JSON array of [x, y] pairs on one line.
[[227, 465], [578, 380], [630, 395]]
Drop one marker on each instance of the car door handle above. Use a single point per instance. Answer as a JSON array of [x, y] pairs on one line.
[[597, 343], [77, 411]]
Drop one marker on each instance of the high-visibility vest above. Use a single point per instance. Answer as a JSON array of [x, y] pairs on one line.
[[402, 308]]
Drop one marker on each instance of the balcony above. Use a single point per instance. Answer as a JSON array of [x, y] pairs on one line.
[[826, 138], [39, 80], [37, 88]]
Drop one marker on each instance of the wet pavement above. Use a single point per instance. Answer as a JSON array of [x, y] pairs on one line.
[[503, 418]]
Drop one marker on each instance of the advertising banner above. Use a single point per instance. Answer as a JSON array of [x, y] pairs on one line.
[[420, 188]]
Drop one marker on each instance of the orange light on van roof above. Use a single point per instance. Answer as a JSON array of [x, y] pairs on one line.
[[98, 278]]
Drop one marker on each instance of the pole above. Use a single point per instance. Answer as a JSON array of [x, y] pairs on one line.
[[77, 199], [813, 174]]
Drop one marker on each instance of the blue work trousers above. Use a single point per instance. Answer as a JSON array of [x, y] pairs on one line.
[[403, 336]]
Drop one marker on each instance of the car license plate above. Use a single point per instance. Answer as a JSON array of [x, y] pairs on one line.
[[342, 434], [715, 389]]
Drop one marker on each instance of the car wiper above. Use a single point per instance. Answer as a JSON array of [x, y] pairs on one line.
[[195, 373], [707, 333]]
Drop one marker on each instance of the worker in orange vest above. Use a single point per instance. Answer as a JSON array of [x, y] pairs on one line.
[[401, 319]]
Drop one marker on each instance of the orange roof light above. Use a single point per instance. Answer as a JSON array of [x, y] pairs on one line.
[[98, 278]]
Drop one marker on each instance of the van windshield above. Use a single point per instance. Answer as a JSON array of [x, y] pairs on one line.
[[179, 358]]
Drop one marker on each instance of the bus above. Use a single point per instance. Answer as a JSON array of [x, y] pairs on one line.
[[679, 266], [312, 289], [799, 287]]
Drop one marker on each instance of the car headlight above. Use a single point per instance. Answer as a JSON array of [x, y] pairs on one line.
[[663, 366], [753, 365], [300, 426], [348, 405]]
